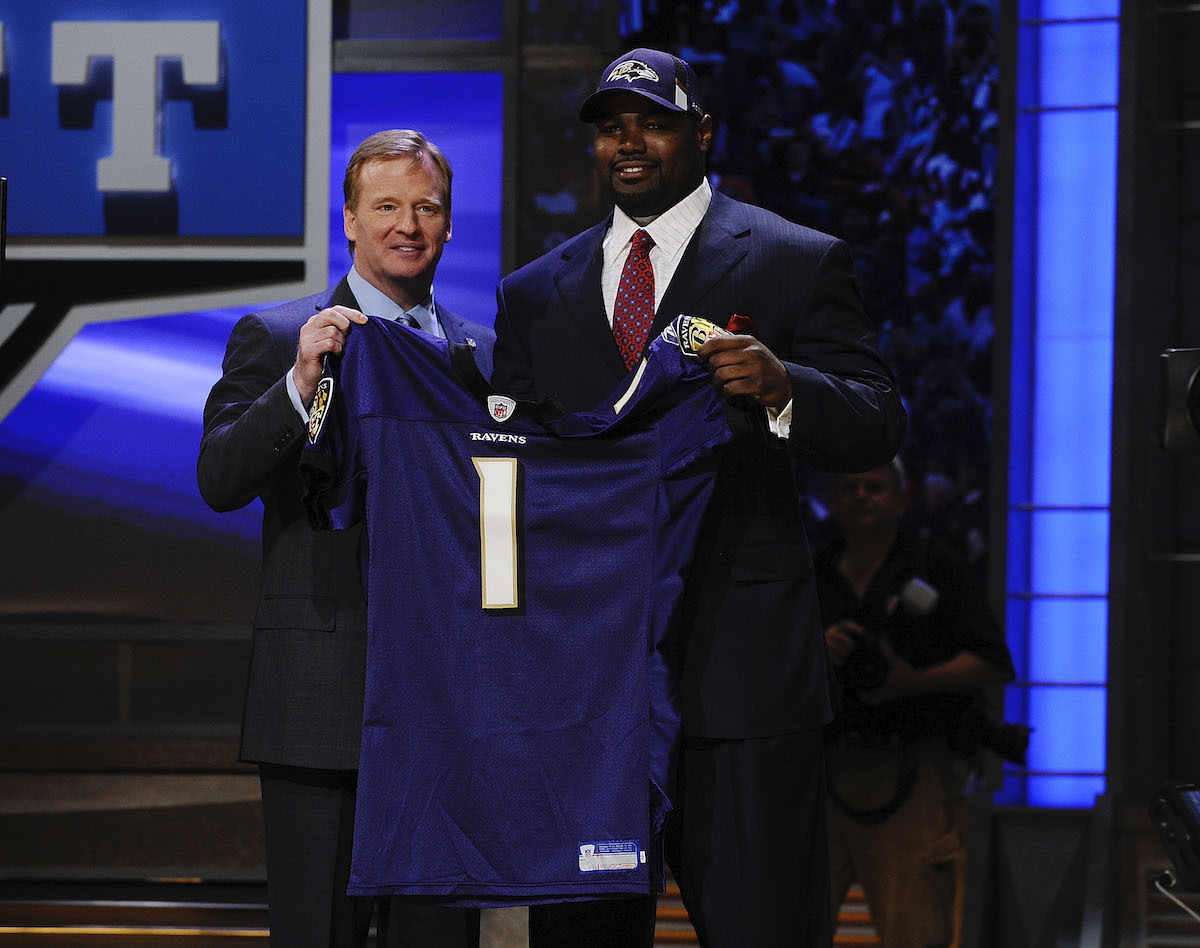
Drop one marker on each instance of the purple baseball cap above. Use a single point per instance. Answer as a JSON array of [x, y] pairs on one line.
[[658, 76]]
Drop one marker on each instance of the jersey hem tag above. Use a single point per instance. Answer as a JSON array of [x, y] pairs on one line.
[[610, 856]]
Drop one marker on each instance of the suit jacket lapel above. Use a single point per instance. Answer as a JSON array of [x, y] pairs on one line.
[[578, 283], [451, 324], [342, 295], [714, 250]]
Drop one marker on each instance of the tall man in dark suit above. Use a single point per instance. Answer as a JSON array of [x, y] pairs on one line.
[[304, 702], [747, 843]]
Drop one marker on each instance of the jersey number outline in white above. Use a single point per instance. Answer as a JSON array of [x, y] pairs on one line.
[[500, 482]]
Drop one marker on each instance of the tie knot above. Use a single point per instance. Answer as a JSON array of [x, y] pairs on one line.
[[642, 242], [407, 320]]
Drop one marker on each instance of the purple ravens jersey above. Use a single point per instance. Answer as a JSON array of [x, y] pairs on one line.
[[523, 575]]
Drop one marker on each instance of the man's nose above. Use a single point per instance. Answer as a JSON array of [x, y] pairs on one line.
[[632, 140], [406, 221]]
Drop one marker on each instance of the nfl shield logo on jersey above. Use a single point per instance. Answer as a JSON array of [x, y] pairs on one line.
[[501, 407]]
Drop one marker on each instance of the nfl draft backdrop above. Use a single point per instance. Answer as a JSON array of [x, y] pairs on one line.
[[161, 157]]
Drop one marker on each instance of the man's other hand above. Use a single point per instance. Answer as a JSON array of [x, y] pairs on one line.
[[741, 365]]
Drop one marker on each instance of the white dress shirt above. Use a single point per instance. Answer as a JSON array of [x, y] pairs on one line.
[[672, 231]]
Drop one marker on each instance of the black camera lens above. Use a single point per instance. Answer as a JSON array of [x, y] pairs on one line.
[[866, 668]]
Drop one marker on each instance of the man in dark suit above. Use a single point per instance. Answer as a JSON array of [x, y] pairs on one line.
[[304, 702], [747, 842]]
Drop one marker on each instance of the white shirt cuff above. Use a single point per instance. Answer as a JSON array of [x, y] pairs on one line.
[[780, 420], [294, 394]]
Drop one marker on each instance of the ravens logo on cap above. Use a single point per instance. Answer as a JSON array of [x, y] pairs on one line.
[[630, 70]]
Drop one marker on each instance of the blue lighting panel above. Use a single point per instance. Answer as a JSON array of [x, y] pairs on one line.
[[1076, 220], [1064, 254], [463, 114], [1071, 644], [1072, 438], [1069, 552], [1063, 46], [1070, 729], [1070, 10], [1065, 791]]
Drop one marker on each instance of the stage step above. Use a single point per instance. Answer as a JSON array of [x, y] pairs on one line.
[[153, 913], [139, 913]]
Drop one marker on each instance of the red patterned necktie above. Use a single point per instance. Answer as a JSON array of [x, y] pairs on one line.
[[633, 311]]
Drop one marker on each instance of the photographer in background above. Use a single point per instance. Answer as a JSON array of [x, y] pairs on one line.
[[913, 643]]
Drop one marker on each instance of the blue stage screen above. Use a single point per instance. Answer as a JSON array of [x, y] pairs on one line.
[[232, 150]]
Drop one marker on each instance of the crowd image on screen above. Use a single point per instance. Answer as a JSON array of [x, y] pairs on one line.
[[875, 121]]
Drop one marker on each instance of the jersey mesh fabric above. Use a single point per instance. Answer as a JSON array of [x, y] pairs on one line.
[[509, 753]]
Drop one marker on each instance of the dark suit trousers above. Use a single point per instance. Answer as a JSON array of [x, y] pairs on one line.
[[309, 819], [748, 842], [619, 923]]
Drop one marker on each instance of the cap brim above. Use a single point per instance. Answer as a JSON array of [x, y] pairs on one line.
[[590, 110]]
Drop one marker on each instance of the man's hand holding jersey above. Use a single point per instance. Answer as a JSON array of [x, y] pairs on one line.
[[741, 365], [324, 332]]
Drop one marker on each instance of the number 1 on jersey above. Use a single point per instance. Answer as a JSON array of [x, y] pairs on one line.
[[500, 502]]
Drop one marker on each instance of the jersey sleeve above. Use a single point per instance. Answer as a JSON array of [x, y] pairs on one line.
[[696, 419], [329, 467]]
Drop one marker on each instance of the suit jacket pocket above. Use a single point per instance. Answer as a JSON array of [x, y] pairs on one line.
[[318, 613]]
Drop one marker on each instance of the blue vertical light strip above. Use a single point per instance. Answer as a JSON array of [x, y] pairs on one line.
[[1061, 409]]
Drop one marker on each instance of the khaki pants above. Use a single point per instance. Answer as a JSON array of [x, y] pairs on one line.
[[907, 863]]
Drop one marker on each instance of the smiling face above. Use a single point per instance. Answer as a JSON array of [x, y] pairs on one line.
[[649, 157], [399, 226]]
